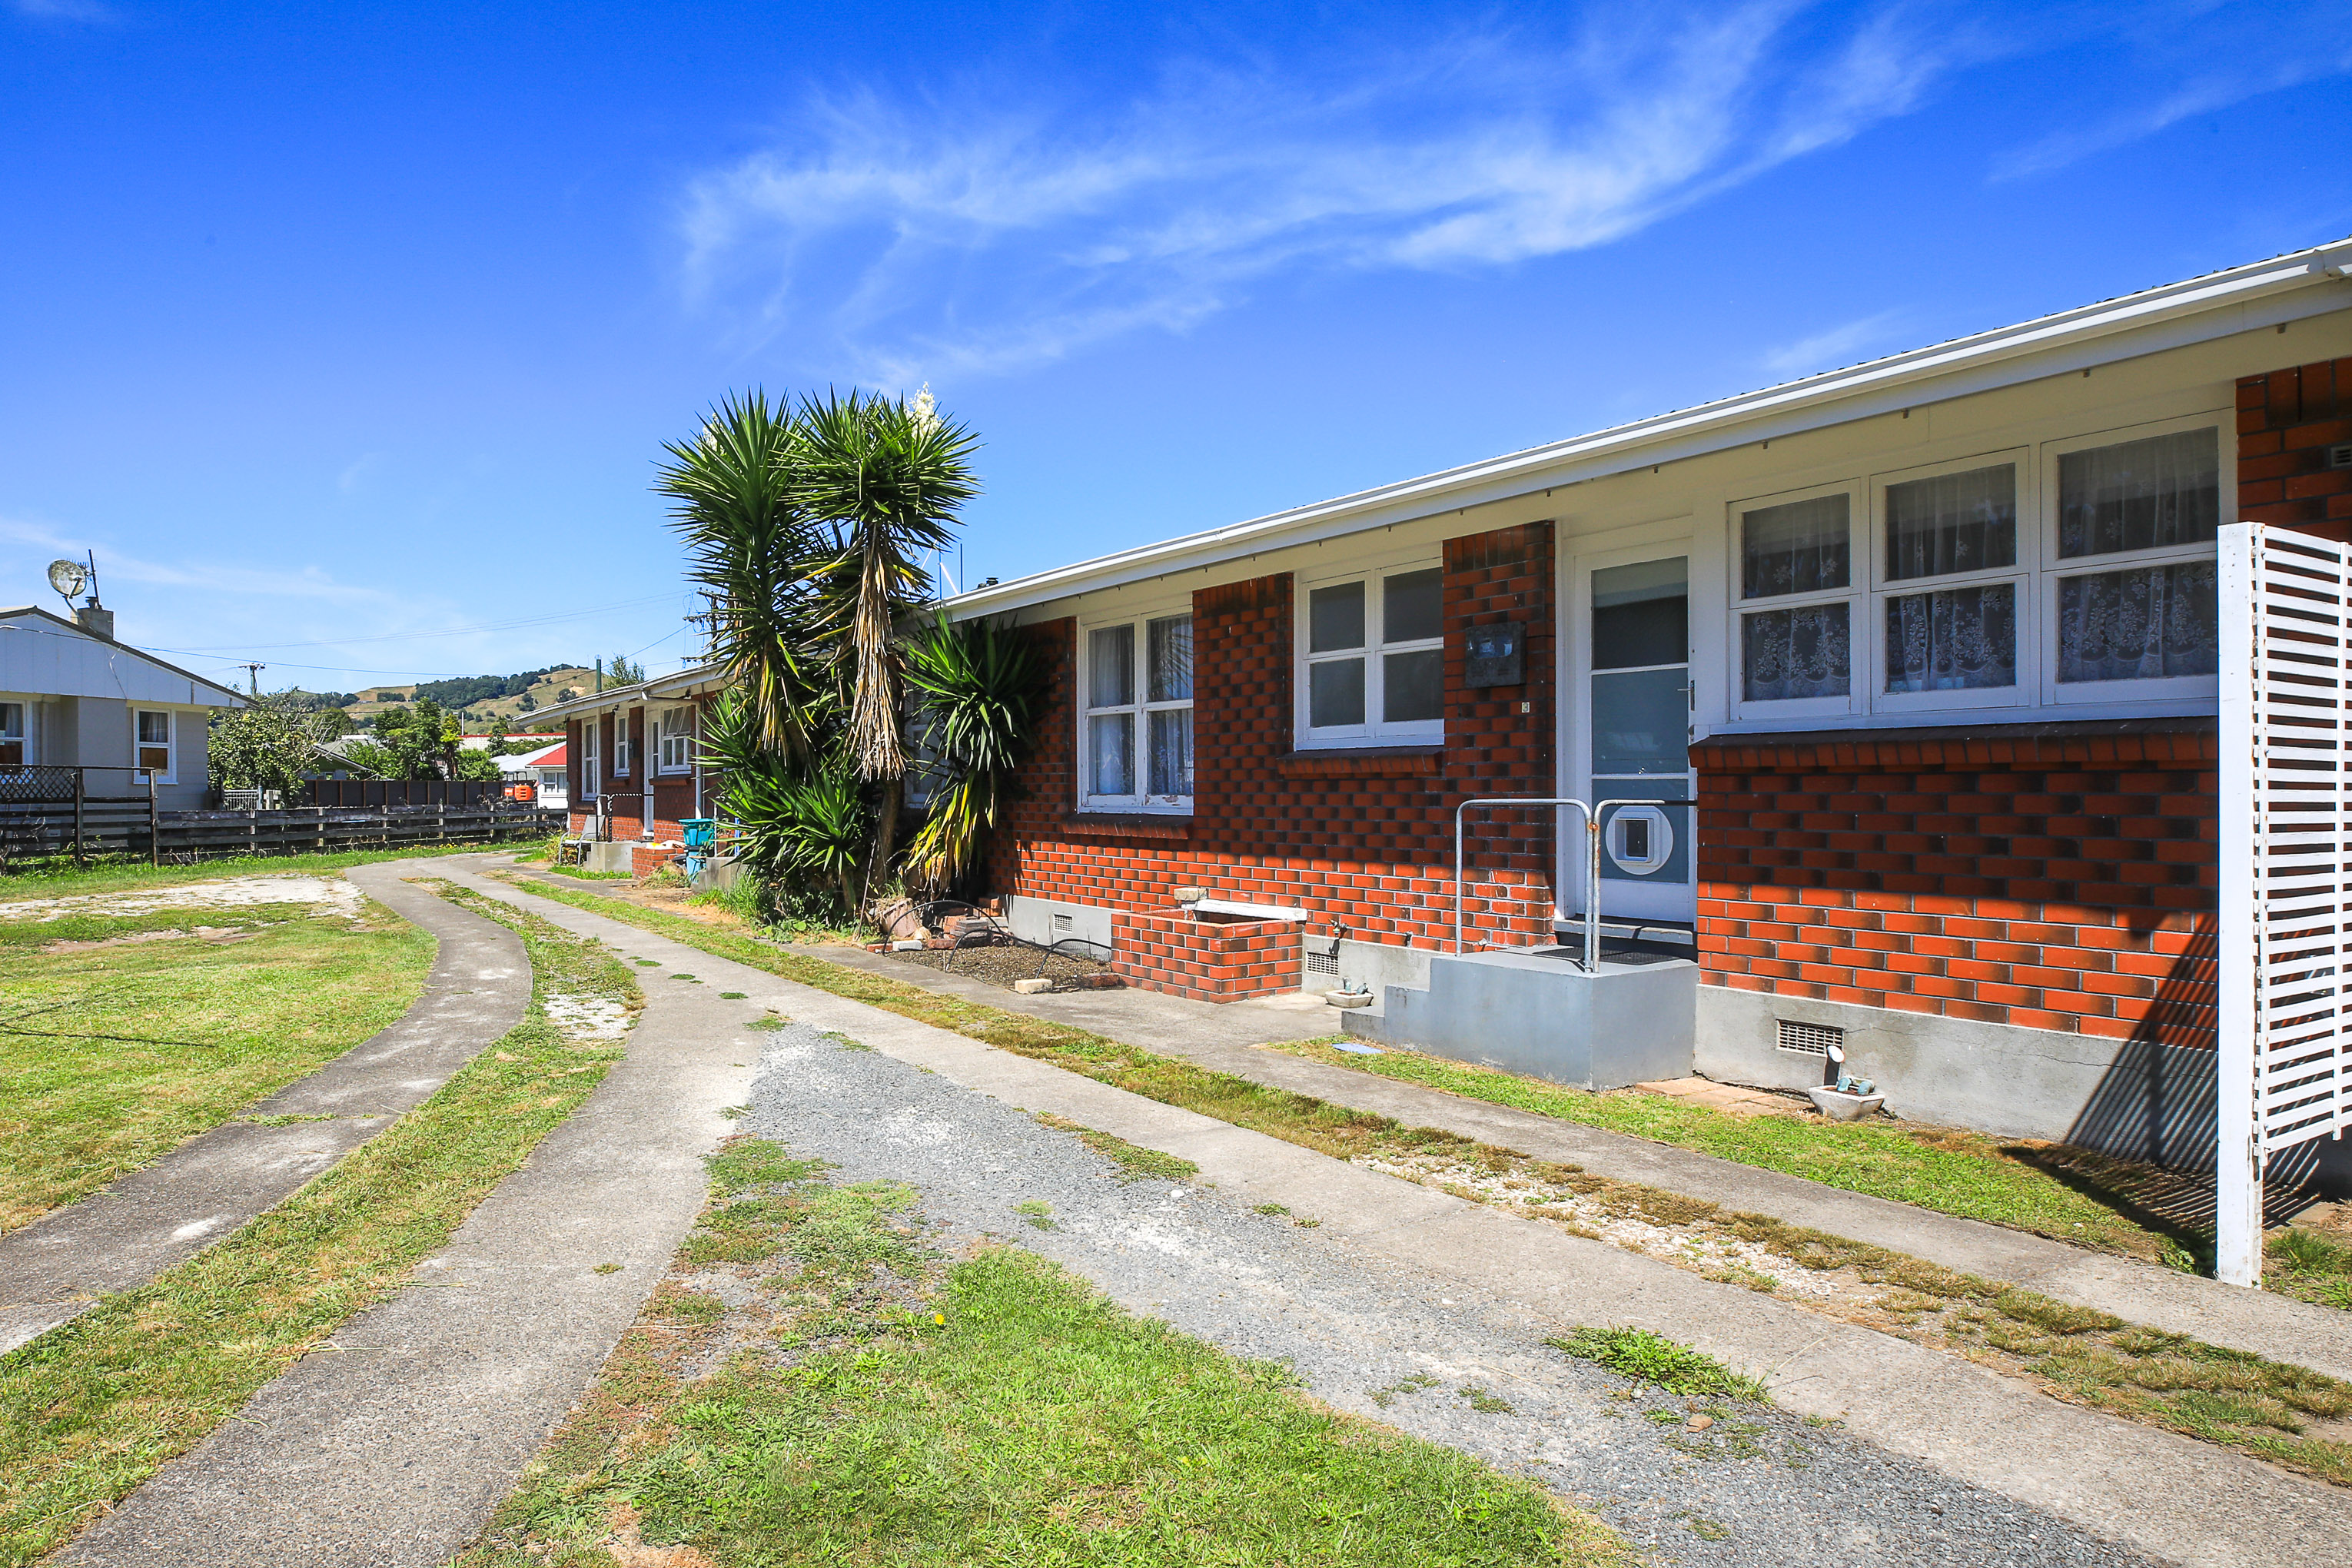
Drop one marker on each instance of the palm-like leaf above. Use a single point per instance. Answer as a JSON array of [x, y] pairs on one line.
[[976, 694], [886, 481], [750, 545]]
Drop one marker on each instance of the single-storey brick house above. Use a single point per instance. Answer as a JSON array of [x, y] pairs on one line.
[[631, 759], [1911, 667]]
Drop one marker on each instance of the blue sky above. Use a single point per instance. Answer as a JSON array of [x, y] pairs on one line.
[[347, 336]]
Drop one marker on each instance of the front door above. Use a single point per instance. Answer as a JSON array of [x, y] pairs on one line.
[[1638, 695]]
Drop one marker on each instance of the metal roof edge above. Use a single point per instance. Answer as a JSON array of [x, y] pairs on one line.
[[1829, 397], [236, 699], [620, 696]]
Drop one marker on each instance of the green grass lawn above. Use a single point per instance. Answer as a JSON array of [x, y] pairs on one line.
[[111, 1057], [93, 1408], [62, 879], [902, 1408]]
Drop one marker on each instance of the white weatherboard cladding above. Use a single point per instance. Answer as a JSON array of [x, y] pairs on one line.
[[2285, 996], [45, 658]]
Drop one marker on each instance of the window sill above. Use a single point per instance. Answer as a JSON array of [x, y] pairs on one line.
[[1127, 825], [2188, 739], [1364, 762]]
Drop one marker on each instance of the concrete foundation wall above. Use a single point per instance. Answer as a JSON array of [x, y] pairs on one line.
[[1377, 966], [1032, 919], [2142, 1100]]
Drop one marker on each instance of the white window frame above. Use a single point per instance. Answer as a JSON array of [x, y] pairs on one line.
[[169, 772], [591, 760], [1141, 706], [2037, 574], [2018, 574], [621, 758], [665, 735], [22, 736], [1373, 731], [2056, 693], [1854, 596]]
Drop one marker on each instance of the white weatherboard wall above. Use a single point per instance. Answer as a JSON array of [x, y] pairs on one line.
[[2286, 867]]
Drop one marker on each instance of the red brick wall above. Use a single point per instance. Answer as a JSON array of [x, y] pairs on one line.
[[2286, 421], [1364, 842], [2059, 883], [1212, 962]]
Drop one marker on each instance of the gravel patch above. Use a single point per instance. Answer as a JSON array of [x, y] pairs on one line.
[[1420, 1351]]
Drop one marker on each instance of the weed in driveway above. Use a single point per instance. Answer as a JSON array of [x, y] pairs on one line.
[[1655, 1360], [1135, 1163]]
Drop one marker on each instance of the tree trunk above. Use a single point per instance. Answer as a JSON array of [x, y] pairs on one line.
[[886, 829]]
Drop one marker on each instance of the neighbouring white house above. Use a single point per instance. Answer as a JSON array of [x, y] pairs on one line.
[[544, 770], [72, 697], [482, 743]]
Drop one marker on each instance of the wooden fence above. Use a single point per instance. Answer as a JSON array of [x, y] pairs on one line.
[[131, 825], [403, 792]]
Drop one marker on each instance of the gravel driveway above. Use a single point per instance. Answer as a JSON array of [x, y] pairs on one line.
[[1387, 1341]]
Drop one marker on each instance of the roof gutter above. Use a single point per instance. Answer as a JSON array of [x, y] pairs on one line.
[[2054, 343]]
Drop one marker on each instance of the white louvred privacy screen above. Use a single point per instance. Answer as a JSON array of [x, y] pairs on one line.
[[2290, 782]]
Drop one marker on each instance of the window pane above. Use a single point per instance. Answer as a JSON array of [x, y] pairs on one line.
[[1171, 752], [155, 759], [1413, 687], [1335, 617], [1335, 693], [1640, 615], [2140, 495], [12, 721], [155, 728], [1412, 605], [1953, 522], [1171, 659], [2139, 625], [1795, 653], [1110, 667], [1798, 548], [1960, 639], [1110, 742], [1641, 723]]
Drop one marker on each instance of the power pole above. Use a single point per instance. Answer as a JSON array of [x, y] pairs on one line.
[[253, 677]]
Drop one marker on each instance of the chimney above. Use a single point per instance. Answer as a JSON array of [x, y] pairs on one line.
[[95, 617]]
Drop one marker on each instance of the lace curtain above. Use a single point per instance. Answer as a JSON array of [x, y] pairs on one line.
[[2145, 625], [1958, 640], [1800, 548], [1952, 522], [1801, 652], [2140, 495]]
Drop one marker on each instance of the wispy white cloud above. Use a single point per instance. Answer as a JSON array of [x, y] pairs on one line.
[[928, 238], [2199, 58], [1835, 346], [65, 10]]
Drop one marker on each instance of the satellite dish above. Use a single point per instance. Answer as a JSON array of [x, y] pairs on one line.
[[67, 577]]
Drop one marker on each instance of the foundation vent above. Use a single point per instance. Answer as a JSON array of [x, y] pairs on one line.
[[1062, 924], [1810, 1040], [1323, 963]]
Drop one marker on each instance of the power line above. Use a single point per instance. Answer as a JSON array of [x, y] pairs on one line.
[[445, 632]]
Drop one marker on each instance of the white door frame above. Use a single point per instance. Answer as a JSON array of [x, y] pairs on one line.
[[1579, 559]]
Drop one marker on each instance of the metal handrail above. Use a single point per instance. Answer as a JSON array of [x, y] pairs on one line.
[[1592, 813], [1592, 927]]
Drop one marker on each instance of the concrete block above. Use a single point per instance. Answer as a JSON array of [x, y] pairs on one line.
[[1534, 1011], [1033, 987]]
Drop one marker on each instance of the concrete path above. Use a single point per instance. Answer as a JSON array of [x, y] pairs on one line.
[[1223, 1037], [393, 1453], [2172, 1497], [125, 1234]]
